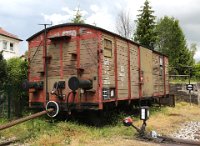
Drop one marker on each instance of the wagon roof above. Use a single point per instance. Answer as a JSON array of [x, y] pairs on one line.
[[89, 26]]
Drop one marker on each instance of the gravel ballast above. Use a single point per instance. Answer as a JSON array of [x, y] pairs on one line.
[[189, 130]]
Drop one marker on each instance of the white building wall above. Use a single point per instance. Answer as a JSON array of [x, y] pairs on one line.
[[8, 53]]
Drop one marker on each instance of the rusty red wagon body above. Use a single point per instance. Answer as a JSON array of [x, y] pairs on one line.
[[114, 68]]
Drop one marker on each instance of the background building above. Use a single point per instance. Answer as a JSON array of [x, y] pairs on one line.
[[9, 43]]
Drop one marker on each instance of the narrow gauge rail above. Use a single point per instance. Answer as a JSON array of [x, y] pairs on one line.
[[5, 143], [179, 141], [170, 141]]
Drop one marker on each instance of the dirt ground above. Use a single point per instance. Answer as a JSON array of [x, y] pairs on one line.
[[117, 141]]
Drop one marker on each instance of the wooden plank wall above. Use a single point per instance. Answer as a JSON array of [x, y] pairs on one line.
[[122, 68], [69, 59], [89, 59], [53, 51], [108, 66], [69, 63], [134, 71], [36, 62], [36, 66], [146, 68], [158, 75], [167, 75]]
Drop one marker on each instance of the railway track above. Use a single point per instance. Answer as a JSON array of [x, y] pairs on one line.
[[8, 142], [169, 141], [178, 141], [21, 120]]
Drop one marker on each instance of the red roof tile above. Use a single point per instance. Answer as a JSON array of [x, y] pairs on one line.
[[5, 33]]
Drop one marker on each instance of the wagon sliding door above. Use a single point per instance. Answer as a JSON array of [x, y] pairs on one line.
[[146, 72], [134, 74], [122, 69]]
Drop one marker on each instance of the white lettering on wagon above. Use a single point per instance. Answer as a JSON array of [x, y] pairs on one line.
[[69, 33], [122, 75], [106, 67]]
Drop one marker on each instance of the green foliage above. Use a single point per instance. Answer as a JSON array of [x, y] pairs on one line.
[[78, 18], [196, 71], [16, 70], [171, 42], [3, 71], [145, 33], [193, 49], [17, 73]]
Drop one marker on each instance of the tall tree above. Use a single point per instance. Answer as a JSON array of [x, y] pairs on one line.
[[124, 26], [145, 25], [78, 18], [171, 41], [193, 48], [196, 70]]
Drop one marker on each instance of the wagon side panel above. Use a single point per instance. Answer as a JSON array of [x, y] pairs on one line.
[[134, 71], [108, 71], [166, 75], [146, 72], [158, 74], [122, 68], [36, 69], [89, 63]]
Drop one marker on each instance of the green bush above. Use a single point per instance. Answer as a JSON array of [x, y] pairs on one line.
[[196, 71], [3, 71], [17, 70]]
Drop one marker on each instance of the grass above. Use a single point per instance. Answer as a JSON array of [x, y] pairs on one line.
[[43, 132], [169, 119], [184, 80]]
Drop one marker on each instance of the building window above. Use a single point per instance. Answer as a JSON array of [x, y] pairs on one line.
[[11, 47], [5, 45], [107, 48]]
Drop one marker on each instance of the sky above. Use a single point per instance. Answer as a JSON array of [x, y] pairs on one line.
[[21, 17]]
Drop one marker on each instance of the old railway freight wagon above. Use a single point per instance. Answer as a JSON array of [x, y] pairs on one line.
[[79, 66]]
